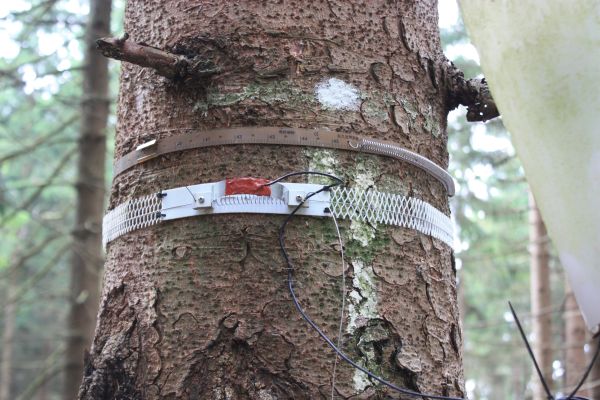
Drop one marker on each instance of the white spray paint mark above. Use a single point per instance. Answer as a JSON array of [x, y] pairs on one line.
[[336, 94]]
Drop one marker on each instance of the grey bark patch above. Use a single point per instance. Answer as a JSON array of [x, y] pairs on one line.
[[409, 359], [401, 119]]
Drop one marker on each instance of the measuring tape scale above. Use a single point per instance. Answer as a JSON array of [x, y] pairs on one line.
[[214, 198], [193, 139]]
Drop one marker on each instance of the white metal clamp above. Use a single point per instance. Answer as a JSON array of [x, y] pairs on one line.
[[211, 198], [279, 198]]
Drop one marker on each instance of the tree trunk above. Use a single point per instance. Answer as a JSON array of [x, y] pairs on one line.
[[540, 298], [8, 336], [87, 257], [575, 338], [9, 319], [593, 382], [198, 308]]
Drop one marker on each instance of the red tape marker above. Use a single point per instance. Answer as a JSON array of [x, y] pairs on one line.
[[254, 186]]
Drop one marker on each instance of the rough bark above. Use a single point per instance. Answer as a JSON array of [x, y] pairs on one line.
[[87, 257], [197, 308], [540, 298], [473, 93]]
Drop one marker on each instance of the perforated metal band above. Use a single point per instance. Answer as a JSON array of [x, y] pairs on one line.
[[131, 215], [209, 198], [269, 135], [392, 209]]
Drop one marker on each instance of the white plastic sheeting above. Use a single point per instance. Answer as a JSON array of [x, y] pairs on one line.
[[542, 62]]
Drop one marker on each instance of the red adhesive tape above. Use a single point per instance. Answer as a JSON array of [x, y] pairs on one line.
[[254, 186]]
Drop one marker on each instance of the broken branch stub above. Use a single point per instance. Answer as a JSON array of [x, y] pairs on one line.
[[167, 64], [473, 93]]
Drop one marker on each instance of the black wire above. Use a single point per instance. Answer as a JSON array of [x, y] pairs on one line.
[[581, 381], [306, 317], [333, 177], [537, 367], [573, 398], [587, 372]]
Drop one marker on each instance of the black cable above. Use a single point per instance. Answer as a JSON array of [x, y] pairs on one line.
[[573, 398], [306, 317], [537, 367], [581, 381], [585, 375], [332, 177]]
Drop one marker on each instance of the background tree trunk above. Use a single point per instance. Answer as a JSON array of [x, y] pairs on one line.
[[575, 338], [87, 257], [593, 381], [8, 336], [9, 320], [197, 308], [540, 298]]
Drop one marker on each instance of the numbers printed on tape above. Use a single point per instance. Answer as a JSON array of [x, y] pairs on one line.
[[192, 139]]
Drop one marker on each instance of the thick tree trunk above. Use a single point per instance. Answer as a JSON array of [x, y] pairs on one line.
[[198, 308], [575, 338], [540, 298], [87, 257]]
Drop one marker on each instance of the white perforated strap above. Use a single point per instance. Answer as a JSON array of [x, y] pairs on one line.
[[392, 209], [131, 215], [210, 198]]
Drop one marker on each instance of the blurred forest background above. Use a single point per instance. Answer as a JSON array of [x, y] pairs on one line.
[[41, 64]]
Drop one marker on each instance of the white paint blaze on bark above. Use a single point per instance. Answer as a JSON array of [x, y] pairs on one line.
[[336, 94]]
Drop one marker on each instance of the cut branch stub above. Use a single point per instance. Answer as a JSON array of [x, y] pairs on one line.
[[169, 65], [473, 93], [483, 108]]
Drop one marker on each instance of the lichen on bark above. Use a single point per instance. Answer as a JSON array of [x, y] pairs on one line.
[[276, 92], [198, 308]]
